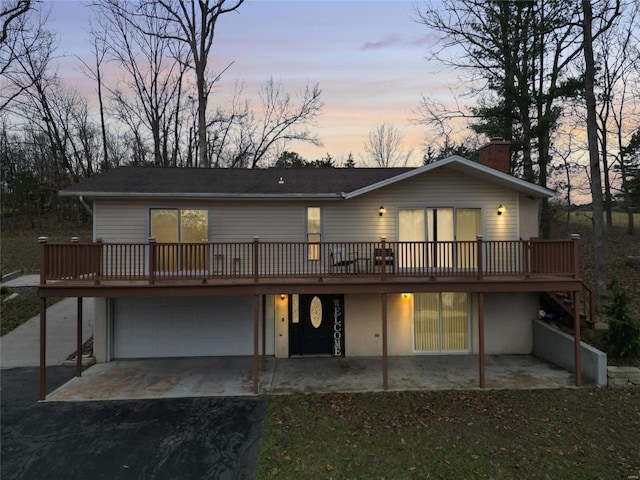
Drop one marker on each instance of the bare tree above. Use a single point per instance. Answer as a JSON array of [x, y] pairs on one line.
[[621, 67], [94, 71], [242, 138], [599, 261], [10, 13], [17, 28], [384, 147], [193, 23], [284, 119], [155, 67], [515, 55]]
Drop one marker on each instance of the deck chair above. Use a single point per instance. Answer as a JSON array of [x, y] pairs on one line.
[[341, 263], [385, 258]]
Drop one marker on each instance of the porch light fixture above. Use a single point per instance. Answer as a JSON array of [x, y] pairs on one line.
[[406, 296], [282, 296], [381, 210], [501, 209]]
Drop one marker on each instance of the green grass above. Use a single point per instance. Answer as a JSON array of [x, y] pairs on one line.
[[565, 434], [618, 218], [20, 249], [20, 309]]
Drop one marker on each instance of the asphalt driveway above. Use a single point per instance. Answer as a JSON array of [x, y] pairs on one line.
[[187, 438]]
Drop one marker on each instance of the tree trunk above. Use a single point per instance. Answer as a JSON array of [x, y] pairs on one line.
[[599, 261]]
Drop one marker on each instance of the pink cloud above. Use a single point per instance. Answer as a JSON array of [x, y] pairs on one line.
[[396, 40]]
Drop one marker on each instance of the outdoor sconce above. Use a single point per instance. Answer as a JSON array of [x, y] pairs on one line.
[[406, 296], [282, 296], [381, 210], [500, 209]]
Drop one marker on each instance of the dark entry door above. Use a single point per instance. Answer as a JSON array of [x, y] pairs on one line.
[[319, 330]]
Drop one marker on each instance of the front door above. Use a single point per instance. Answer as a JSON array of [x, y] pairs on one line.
[[316, 325]]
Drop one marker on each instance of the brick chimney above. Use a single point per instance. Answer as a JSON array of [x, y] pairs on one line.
[[495, 154]]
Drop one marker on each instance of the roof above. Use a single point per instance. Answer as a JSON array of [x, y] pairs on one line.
[[327, 183]]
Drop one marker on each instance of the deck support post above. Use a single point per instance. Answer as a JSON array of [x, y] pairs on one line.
[[256, 362], [385, 363], [481, 339], [43, 348], [79, 340], [576, 337], [264, 333]]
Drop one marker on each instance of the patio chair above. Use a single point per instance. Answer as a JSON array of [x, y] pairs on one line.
[[385, 258], [341, 263]]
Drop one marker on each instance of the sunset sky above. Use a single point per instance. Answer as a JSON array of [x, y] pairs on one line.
[[369, 58]]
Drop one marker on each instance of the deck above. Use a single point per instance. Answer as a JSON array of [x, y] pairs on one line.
[[102, 269], [178, 269]]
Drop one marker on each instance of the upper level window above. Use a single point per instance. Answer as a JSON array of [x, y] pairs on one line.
[[314, 232], [176, 225]]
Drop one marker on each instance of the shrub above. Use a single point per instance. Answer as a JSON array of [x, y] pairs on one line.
[[623, 336]]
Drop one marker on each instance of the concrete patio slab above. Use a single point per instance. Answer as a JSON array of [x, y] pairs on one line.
[[232, 376]]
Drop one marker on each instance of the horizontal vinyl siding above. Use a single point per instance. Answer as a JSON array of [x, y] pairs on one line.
[[271, 221], [120, 221], [356, 219]]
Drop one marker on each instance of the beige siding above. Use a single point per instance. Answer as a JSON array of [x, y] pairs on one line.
[[356, 219], [271, 221], [528, 217], [120, 221]]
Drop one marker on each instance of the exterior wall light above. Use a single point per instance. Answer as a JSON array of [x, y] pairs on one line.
[[282, 296], [381, 210], [501, 209], [406, 296]]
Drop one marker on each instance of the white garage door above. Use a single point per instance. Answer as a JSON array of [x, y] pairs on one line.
[[182, 327]]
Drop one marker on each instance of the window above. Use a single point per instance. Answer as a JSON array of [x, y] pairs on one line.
[[314, 233], [441, 322], [172, 227], [443, 225]]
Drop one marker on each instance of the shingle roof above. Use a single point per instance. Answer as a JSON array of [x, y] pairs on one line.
[[127, 182], [157, 181]]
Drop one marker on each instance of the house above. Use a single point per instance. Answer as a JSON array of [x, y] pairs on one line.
[[441, 259]]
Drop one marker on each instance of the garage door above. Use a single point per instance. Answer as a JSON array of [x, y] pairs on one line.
[[182, 327]]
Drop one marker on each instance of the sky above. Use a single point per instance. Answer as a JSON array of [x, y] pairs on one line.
[[368, 57]]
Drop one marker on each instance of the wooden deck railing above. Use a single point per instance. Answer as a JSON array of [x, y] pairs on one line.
[[256, 260]]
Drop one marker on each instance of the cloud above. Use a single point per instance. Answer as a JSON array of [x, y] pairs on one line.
[[395, 40]]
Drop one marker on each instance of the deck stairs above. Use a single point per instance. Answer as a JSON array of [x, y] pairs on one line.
[[558, 307]]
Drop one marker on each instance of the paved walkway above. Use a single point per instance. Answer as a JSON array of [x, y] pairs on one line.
[[21, 347]]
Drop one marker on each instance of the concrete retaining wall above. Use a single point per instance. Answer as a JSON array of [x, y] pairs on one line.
[[623, 376], [557, 347]]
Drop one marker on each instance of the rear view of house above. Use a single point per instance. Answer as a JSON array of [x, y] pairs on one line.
[[443, 259]]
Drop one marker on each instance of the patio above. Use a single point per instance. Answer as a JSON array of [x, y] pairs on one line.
[[232, 376]]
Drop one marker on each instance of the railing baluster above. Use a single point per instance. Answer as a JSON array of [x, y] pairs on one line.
[[256, 260]]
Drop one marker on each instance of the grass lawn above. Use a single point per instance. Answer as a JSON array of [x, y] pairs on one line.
[[588, 433], [20, 309], [20, 251]]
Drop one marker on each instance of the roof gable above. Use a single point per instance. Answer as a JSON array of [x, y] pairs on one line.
[[467, 167]]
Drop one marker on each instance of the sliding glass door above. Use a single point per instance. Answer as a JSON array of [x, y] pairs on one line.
[[440, 227], [441, 322]]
